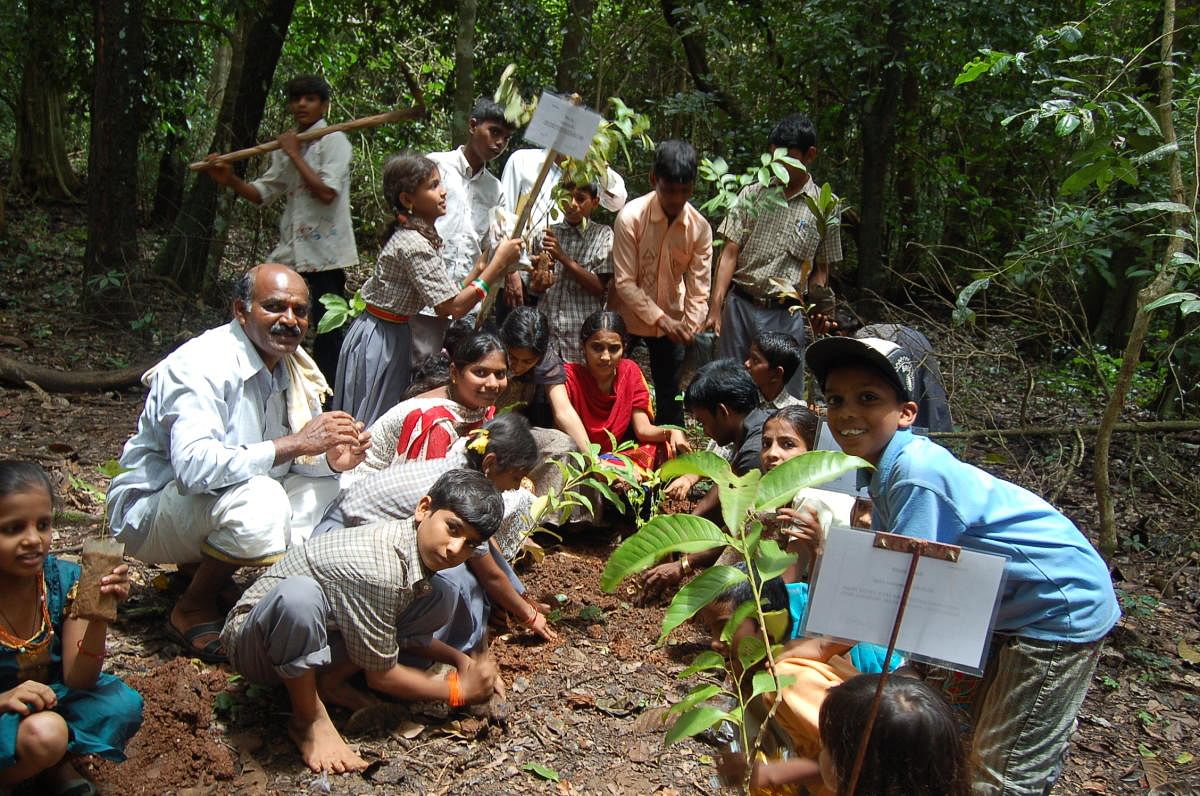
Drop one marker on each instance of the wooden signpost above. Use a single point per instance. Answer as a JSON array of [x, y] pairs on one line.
[[564, 127]]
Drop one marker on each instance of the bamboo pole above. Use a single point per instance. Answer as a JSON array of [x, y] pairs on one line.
[[391, 117]]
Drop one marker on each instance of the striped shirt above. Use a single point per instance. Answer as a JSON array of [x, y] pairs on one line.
[[567, 304]]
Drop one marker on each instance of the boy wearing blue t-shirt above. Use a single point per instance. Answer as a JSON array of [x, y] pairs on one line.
[[1058, 601]]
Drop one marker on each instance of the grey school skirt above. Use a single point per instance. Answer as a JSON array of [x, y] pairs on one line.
[[375, 368]]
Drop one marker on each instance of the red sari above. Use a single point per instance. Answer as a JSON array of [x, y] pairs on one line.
[[612, 413]]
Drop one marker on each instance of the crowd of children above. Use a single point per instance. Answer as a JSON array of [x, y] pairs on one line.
[[400, 565]]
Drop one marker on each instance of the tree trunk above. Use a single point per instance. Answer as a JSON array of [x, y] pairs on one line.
[[112, 151], [878, 146], [15, 373], [464, 71], [576, 43], [692, 37], [168, 187], [40, 165], [193, 244], [1157, 288]]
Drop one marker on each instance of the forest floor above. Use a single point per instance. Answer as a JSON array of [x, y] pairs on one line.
[[587, 708]]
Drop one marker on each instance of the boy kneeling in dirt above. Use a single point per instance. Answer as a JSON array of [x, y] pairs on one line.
[[353, 598]]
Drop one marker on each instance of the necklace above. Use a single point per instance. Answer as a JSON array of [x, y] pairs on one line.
[[44, 628]]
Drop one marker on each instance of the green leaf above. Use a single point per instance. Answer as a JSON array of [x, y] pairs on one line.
[[694, 721], [695, 697], [705, 661], [703, 463], [977, 67], [781, 173], [1084, 177], [772, 559], [604, 489], [778, 487], [750, 651], [666, 533], [763, 682], [737, 499], [740, 614], [545, 772], [698, 593], [1066, 124], [112, 468], [1169, 299]]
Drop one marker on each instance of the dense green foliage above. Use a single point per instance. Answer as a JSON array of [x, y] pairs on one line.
[[1009, 141]]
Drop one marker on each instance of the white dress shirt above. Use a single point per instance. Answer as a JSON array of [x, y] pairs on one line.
[[469, 200]]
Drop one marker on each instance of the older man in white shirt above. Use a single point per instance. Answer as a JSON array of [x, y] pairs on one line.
[[233, 461]]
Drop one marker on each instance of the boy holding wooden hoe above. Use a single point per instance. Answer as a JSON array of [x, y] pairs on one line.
[[316, 236]]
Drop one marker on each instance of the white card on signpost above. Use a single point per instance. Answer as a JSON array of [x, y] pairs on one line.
[[951, 608], [563, 127]]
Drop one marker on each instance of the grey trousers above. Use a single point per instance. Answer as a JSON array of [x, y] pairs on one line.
[[287, 632], [742, 320]]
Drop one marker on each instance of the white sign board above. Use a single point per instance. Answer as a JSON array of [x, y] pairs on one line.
[[563, 127], [951, 608]]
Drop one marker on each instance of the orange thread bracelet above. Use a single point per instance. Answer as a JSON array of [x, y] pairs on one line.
[[98, 656], [455, 700], [532, 617]]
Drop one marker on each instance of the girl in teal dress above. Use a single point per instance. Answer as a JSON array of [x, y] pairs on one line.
[[55, 703]]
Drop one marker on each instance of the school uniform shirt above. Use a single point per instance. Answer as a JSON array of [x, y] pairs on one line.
[[567, 304], [313, 236], [409, 274], [209, 422], [775, 241], [469, 200], [1057, 588], [747, 453], [369, 576], [659, 268]]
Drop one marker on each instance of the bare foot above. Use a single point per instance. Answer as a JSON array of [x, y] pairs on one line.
[[322, 747], [338, 691]]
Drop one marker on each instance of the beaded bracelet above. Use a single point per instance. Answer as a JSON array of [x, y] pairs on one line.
[[455, 699], [97, 655], [479, 280]]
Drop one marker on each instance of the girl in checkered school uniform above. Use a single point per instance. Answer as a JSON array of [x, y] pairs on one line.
[[377, 357]]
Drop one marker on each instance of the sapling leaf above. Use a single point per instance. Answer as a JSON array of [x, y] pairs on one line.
[[705, 661], [695, 721], [698, 593], [702, 463], [695, 697], [666, 533], [737, 499], [763, 682], [750, 651], [772, 560], [739, 615], [780, 485], [545, 772]]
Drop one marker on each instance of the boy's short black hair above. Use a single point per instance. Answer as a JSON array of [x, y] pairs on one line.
[[724, 381], [486, 110], [300, 85], [774, 592], [592, 187], [674, 162], [470, 495], [794, 132], [780, 350]]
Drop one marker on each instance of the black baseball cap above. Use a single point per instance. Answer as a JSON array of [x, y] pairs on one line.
[[893, 361]]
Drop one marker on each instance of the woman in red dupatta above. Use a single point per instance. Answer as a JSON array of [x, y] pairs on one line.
[[610, 395]]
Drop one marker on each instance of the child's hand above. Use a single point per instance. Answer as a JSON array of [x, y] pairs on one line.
[[508, 251], [553, 248], [116, 583], [677, 443], [29, 697], [681, 487], [289, 143], [478, 682], [658, 580], [220, 171], [540, 626], [801, 525]]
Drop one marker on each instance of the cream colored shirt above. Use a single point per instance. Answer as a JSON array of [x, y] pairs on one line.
[[660, 269]]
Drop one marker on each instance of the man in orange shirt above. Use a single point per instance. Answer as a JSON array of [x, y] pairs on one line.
[[662, 255]]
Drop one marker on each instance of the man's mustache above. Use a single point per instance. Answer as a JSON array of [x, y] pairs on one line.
[[287, 329]]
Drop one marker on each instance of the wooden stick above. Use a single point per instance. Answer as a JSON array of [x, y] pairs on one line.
[[312, 135], [536, 191]]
